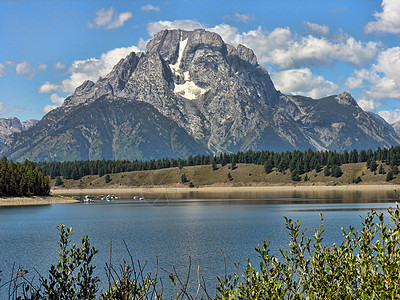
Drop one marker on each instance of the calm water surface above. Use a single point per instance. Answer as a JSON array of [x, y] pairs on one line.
[[173, 231]]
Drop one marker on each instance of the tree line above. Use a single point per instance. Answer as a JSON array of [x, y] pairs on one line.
[[18, 179], [298, 162]]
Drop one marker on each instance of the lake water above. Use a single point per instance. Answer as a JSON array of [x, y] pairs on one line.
[[172, 230]]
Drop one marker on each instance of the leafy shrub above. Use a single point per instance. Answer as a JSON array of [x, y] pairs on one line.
[[365, 266]]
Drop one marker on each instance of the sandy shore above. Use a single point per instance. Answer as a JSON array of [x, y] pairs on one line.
[[362, 192], [27, 201]]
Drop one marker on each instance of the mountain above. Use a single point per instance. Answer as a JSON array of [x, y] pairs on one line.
[[8, 126], [396, 127], [209, 96]]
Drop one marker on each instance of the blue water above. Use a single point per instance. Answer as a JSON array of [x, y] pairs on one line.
[[170, 231]]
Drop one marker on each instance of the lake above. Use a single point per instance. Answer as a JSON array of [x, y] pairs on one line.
[[171, 230]]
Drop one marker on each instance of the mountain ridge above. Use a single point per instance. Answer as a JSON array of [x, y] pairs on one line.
[[217, 94]]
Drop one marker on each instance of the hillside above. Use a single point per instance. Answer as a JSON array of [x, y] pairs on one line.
[[243, 175]]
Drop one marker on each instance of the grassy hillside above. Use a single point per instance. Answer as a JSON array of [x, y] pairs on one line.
[[243, 175]]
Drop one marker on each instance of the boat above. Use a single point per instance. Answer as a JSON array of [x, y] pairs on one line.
[[88, 198], [141, 199], [136, 198]]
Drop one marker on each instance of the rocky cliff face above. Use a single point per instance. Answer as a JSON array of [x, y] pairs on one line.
[[217, 95], [8, 126]]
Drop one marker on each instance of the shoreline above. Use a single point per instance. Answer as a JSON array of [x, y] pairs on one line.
[[359, 193], [35, 201]]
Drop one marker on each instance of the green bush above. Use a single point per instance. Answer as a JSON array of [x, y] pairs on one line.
[[366, 265]]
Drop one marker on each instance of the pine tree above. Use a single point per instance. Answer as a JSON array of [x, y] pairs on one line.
[[58, 181], [183, 178], [327, 171], [336, 171]]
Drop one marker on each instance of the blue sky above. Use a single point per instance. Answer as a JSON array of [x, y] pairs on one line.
[[312, 48]]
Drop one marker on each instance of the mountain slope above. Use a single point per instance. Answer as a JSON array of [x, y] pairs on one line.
[[219, 98], [102, 129], [8, 126]]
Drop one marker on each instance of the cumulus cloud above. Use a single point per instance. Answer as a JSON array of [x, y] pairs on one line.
[[57, 100], [382, 80], [109, 19], [155, 27], [302, 81], [89, 69], [369, 105], [93, 68], [23, 68], [388, 20], [318, 29], [49, 107], [283, 48], [47, 87], [287, 50], [390, 116], [2, 70], [150, 7], [59, 66]]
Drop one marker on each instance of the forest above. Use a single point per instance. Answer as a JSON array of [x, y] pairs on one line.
[[297, 162], [18, 179]]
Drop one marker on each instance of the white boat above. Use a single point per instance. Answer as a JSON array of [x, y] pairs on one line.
[[136, 198], [88, 198], [141, 199]]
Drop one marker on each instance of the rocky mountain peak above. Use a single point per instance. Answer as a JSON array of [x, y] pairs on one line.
[[209, 95], [346, 99]]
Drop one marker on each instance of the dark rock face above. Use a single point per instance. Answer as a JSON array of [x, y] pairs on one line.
[[218, 97]]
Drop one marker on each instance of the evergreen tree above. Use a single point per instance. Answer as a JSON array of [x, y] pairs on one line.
[[389, 176], [214, 165], [183, 178], [58, 181], [381, 169], [327, 171], [107, 179], [230, 177], [336, 171], [268, 165]]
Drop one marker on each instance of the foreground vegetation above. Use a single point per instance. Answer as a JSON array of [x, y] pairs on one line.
[[366, 265]]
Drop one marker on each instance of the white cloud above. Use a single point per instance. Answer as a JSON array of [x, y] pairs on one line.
[[150, 7], [59, 66], [287, 50], [155, 27], [369, 105], [283, 48], [42, 67], [388, 20], [23, 68], [390, 116], [47, 87], [382, 80], [109, 19], [2, 70], [56, 99], [49, 107], [303, 82], [242, 18], [89, 69], [318, 29]]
